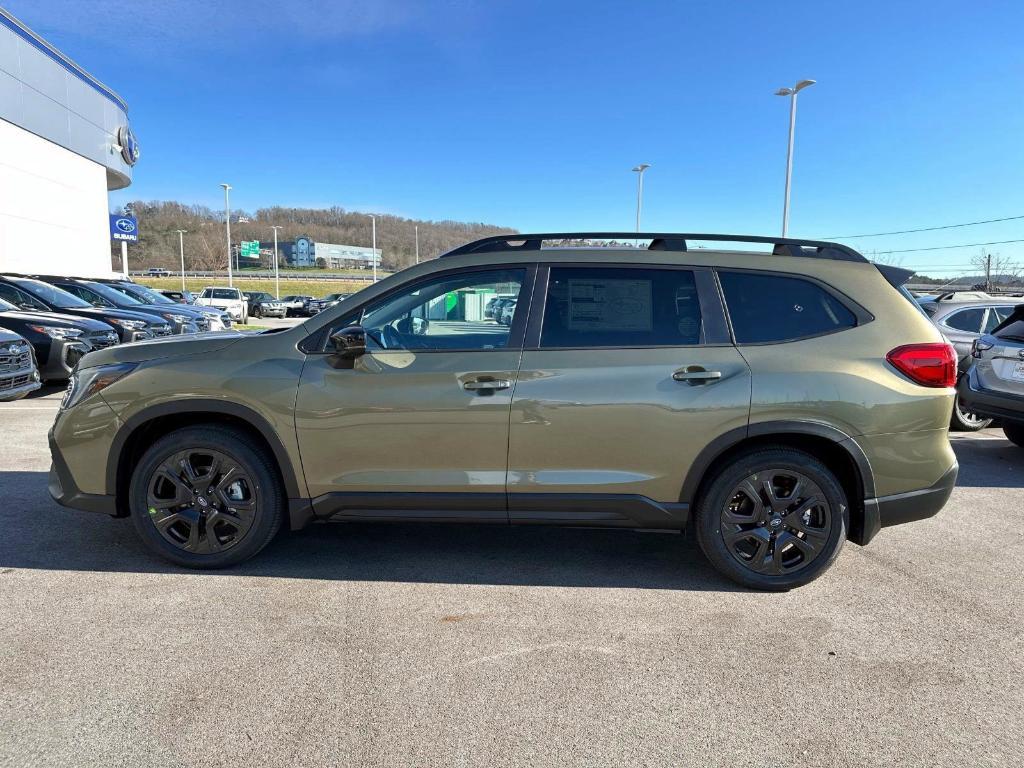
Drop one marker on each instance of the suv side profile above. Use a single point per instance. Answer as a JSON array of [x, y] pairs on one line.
[[780, 402]]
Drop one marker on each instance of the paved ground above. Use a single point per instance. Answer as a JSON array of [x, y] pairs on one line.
[[487, 646]]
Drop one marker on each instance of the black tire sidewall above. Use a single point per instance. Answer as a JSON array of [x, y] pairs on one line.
[[235, 444], [1014, 433], [715, 496]]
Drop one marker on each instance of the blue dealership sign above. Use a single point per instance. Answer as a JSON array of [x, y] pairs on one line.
[[124, 228]]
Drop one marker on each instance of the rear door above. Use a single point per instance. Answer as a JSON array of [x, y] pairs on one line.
[[627, 375]]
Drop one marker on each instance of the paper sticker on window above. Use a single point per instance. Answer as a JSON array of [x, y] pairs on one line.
[[605, 305]]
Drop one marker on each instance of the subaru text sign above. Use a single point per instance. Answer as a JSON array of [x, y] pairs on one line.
[[124, 228]]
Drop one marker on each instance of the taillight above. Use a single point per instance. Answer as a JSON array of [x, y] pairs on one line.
[[930, 365]]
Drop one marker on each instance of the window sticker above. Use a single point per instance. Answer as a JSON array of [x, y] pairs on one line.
[[608, 304]]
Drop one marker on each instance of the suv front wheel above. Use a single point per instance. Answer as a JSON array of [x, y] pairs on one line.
[[205, 497], [772, 519]]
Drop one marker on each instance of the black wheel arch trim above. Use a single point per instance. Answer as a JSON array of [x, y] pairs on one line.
[[203, 405]]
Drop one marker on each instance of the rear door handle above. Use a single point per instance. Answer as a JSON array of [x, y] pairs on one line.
[[478, 384], [694, 373]]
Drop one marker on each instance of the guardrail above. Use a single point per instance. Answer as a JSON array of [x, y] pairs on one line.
[[265, 275]]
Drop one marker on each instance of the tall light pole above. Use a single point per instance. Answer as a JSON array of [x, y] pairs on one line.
[[181, 250], [373, 256], [277, 277], [227, 224], [417, 243], [791, 92], [639, 171]]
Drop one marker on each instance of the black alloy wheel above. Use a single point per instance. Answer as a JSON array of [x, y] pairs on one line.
[[772, 519], [206, 497]]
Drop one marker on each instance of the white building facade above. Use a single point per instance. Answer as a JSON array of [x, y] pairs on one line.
[[64, 144]]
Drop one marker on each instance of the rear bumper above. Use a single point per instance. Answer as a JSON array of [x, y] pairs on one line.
[[64, 491], [900, 508], [986, 402]]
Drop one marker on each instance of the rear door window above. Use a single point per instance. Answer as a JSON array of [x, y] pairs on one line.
[[621, 307], [967, 320], [775, 308]]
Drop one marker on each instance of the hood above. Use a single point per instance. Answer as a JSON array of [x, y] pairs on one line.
[[8, 336], [56, 319], [167, 346]]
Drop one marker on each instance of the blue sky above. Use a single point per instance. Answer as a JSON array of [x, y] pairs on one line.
[[530, 113]]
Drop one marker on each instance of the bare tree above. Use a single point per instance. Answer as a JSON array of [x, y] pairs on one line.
[[997, 269]]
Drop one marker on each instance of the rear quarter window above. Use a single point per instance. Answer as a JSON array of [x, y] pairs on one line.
[[775, 308]]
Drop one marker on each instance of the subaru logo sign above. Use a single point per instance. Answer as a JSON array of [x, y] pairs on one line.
[[124, 228], [129, 146]]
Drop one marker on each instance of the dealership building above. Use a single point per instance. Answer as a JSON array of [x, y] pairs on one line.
[[64, 144]]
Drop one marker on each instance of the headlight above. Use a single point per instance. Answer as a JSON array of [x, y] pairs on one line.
[[180, 319], [57, 333], [131, 325], [82, 384]]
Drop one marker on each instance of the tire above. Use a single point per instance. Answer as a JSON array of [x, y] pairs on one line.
[[1014, 433], [257, 312], [240, 531], [718, 517], [965, 421]]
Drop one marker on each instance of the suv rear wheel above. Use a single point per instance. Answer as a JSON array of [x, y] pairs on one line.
[[966, 421], [205, 497], [772, 519], [1014, 433]]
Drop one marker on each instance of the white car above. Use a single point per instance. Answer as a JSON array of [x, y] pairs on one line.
[[229, 300]]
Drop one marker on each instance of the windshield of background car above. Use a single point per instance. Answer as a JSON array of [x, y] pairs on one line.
[[116, 297], [1012, 328], [6, 306], [149, 295], [52, 295], [220, 293]]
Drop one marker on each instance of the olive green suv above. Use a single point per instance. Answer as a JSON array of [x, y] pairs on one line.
[[780, 401]]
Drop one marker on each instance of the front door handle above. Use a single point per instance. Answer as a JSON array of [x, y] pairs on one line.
[[695, 374], [478, 384]]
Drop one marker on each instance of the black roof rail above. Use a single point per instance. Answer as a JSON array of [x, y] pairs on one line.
[[662, 241]]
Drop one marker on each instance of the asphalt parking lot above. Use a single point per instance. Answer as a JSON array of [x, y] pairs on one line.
[[404, 645]]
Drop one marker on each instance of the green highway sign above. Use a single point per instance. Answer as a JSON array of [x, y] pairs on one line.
[[250, 249]]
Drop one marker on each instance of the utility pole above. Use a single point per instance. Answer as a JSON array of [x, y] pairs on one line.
[[277, 277], [227, 225], [373, 256], [988, 273], [181, 250], [792, 93], [639, 171], [417, 243]]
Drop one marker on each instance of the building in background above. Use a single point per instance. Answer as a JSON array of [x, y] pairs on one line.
[[64, 144], [305, 252]]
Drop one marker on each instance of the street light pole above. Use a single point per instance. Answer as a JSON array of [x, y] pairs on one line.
[[639, 171], [373, 256], [417, 243], [277, 277], [181, 249], [791, 92], [227, 225]]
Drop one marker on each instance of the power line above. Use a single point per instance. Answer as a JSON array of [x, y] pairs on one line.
[[925, 229], [947, 247]]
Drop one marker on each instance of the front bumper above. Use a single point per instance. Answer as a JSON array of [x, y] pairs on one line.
[[64, 356], [13, 386], [65, 492], [987, 402], [900, 508]]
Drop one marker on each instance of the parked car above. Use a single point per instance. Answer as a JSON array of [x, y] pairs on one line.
[[962, 317], [757, 396], [141, 322], [18, 372], [262, 304], [39, 296], [229, 300], [498, 308], [297, 306], [331, 299], [203, 318], [157, 272], [994, 384], [59, 340], [179, 297], [508, 310]]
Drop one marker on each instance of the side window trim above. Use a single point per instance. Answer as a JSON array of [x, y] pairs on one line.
[[316, 342], [862, 315], [711, 304]]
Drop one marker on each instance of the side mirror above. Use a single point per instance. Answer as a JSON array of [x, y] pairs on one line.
[[349, 342]]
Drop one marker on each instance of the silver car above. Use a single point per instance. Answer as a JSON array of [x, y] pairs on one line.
[[994, 385], [962, 317]]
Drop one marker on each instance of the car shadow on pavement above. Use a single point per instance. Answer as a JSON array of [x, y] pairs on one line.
[[988, 462], [40, 534]]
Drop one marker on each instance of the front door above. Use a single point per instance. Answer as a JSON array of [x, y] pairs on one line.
[[418, 426], [627, 375]]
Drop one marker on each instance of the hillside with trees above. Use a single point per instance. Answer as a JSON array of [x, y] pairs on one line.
[[205, 237]]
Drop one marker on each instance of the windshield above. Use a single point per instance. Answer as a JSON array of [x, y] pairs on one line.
[[115, 297], [145, 294], [52, 295], [219, 293], [6, 306]]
